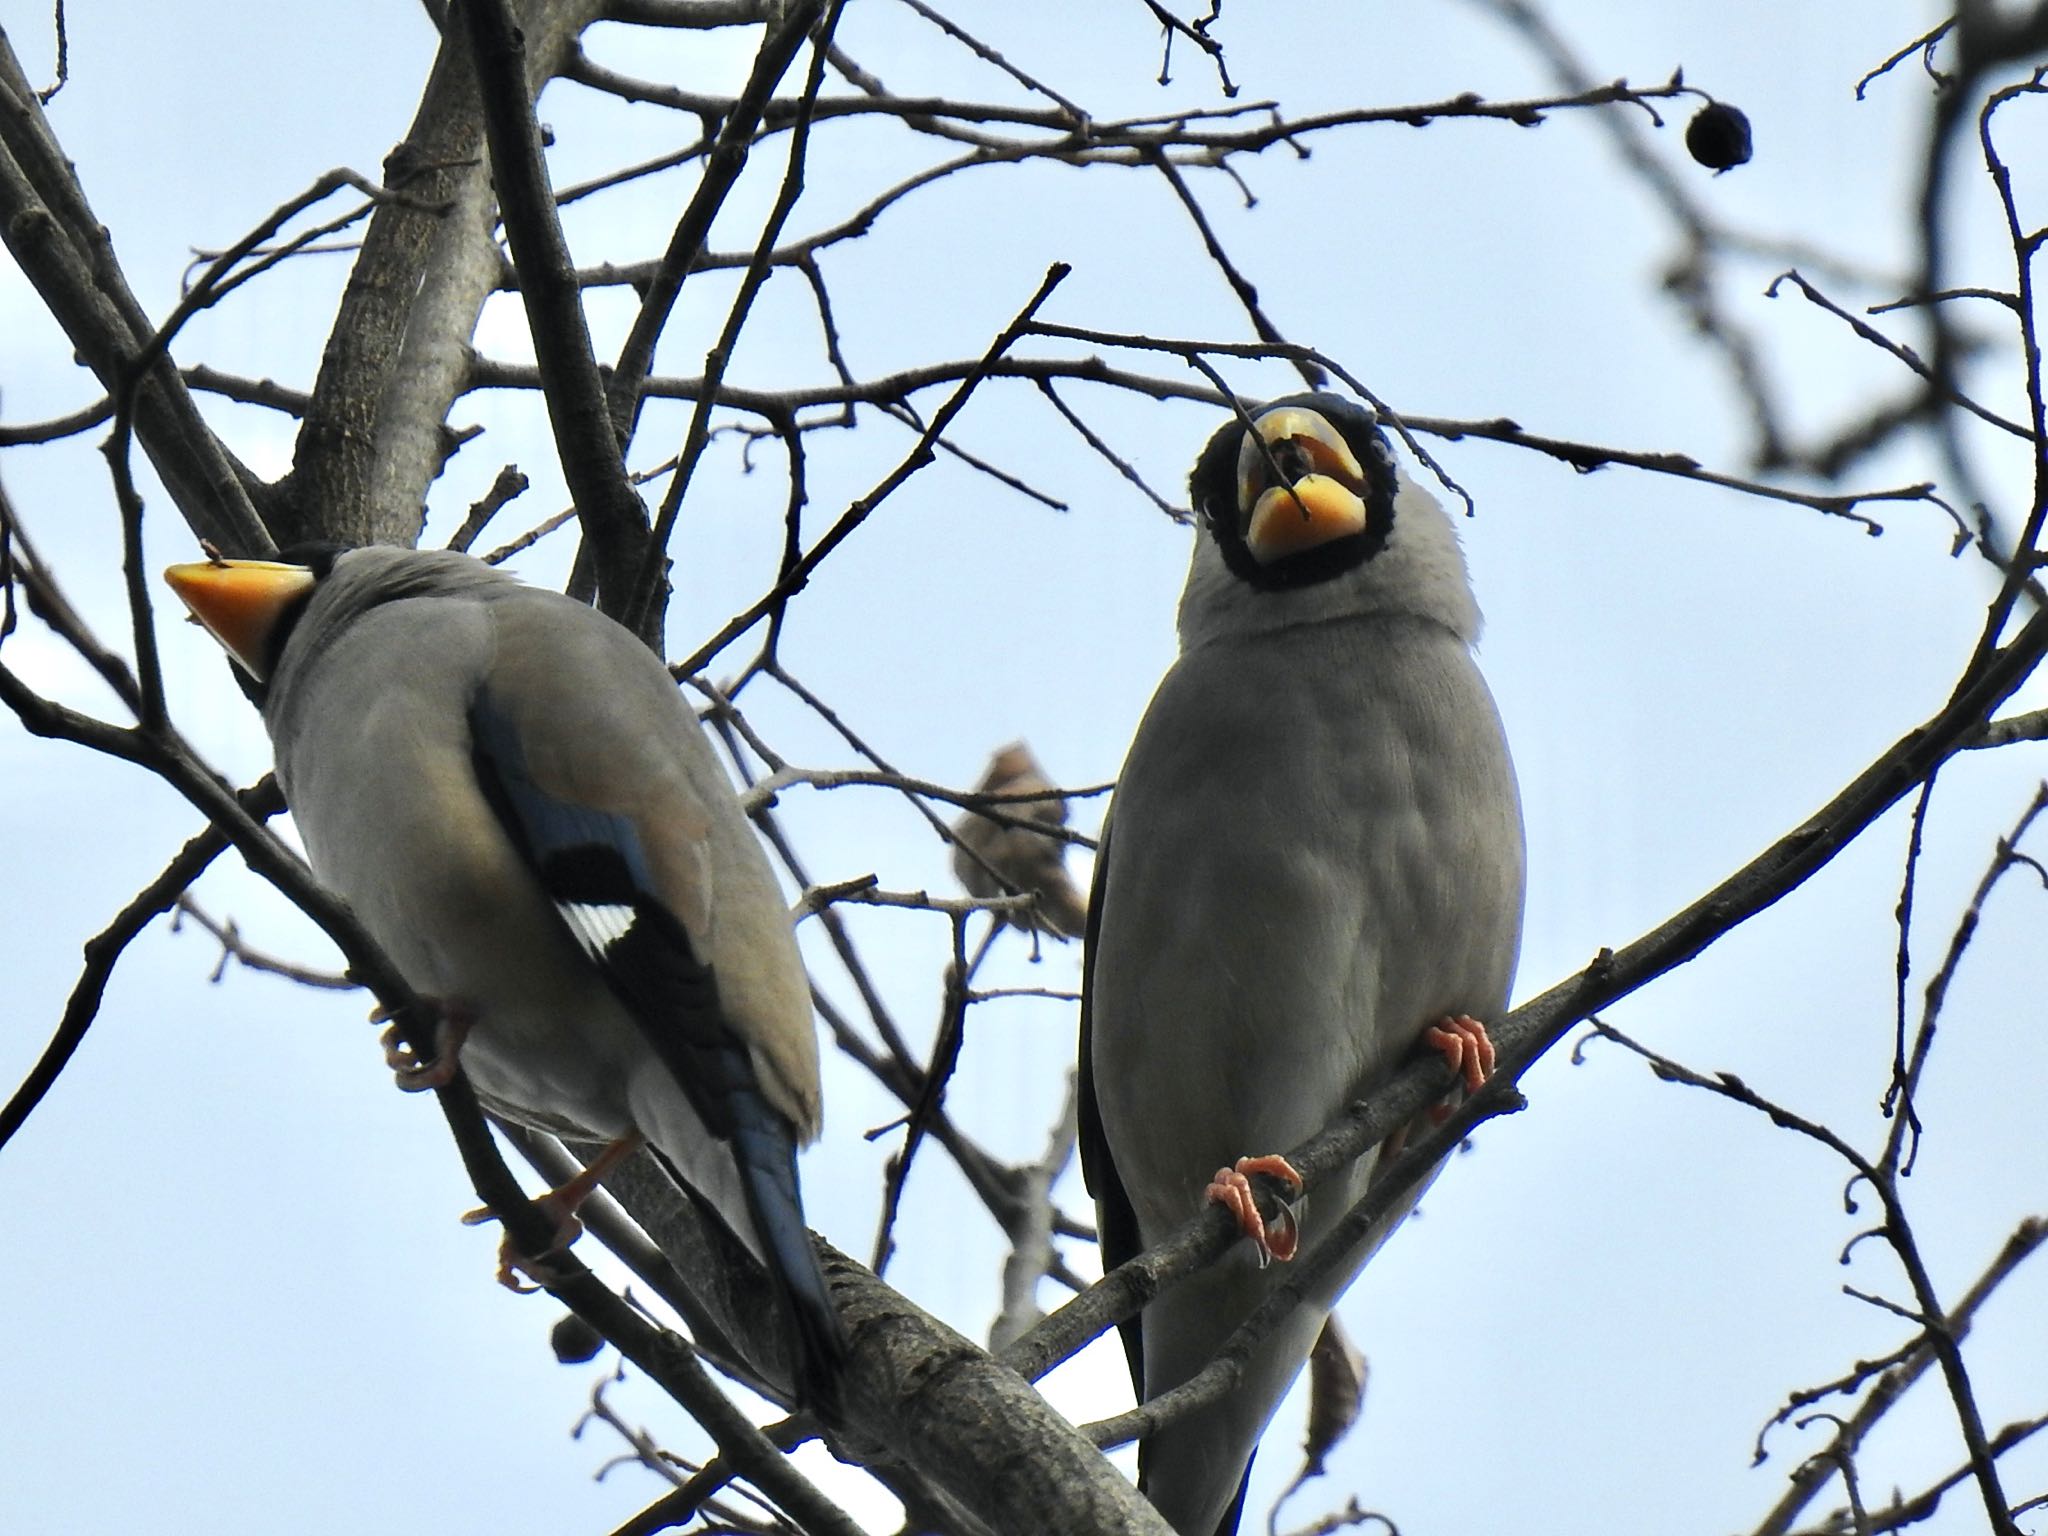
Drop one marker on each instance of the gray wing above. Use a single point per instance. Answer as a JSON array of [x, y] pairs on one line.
[[598, 771]]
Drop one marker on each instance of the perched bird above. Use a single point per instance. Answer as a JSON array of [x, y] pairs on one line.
[[1028, 861], [508, 789], [1315, 865]]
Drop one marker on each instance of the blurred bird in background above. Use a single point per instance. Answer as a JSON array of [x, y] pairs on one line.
[[1027, 860]]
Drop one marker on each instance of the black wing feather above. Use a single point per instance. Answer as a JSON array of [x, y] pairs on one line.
[[1118, 1223]]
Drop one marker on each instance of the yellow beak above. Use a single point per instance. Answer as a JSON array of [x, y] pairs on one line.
[[239, 602], [1321, 505]]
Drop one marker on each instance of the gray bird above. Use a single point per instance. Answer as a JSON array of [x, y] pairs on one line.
[[1316, 864], [508, 789]]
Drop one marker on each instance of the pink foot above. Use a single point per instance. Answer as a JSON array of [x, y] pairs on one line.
[[451, 1027], [1231, 1189], [561, 1204], [1463, 1043]]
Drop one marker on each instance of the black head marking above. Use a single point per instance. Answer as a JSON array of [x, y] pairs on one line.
[[317, 557], [1213, 487]]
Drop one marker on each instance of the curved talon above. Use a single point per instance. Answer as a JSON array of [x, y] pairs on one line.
[[511, 1261], [414, 1075], [1281, 1237]]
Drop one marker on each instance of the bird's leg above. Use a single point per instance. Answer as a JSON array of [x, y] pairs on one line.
[[452, 1024], [1231, 1189], [561, 1203]]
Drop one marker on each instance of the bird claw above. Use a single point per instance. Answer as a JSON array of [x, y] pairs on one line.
[[512, 1263], [1279, 1238], [560, 1203], [1463, 1043], [451, 1027]]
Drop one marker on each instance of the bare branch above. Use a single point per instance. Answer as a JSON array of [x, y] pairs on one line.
[[1903, 353], [507, 487], [398, 354], [858, 513], [781, 47], [1030, 1231], [1905, 1125], [613, 518], [741, 119], [1924, 45], [64, 251], [103, 952], [947, 1041], [234, 948], [1901, 1369]]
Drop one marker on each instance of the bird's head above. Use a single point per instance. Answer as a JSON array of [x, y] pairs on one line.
[[1305, 517], [254, 608], [249, 606], [1305, 493]]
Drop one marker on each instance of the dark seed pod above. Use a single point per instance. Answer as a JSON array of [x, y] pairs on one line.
[[574, 1341], [1718, 136]]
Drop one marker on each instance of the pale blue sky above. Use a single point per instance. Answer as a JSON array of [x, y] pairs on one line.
[[239, 1298]]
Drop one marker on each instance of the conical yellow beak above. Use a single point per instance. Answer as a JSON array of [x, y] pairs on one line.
[[1321, 505], [1314, 510], [239, 602]]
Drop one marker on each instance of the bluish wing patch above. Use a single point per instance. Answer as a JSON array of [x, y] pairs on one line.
[[594, 869], [590, 861]]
